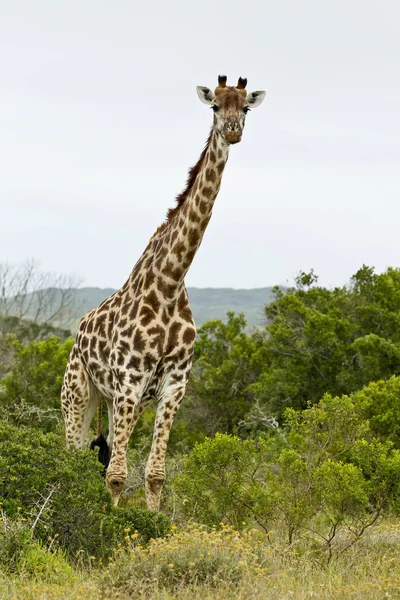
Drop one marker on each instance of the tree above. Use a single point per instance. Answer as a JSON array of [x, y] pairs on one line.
[[226, 362], [42, 297], [335, 341]]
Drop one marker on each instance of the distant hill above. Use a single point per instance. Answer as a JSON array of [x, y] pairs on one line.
[[206, 303]]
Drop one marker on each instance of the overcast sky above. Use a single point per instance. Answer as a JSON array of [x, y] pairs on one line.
[[100, 121]]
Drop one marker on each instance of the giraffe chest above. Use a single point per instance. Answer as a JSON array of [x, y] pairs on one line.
[[140, 346]]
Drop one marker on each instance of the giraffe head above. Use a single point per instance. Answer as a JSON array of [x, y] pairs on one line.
[[230, 105]]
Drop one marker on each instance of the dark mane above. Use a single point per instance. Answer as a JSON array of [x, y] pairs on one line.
[[180, 199]]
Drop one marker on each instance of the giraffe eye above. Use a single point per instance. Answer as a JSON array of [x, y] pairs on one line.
[[246, 110], [215, 108]]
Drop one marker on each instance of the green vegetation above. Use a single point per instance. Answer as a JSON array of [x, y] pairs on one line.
[[284, 462]]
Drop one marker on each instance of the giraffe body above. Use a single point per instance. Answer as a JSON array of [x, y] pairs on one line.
[[138, 344]]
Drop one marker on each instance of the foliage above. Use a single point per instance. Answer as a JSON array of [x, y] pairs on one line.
[[227, 361], [191, 556], [316, 341], [33, 385], [22, 555], [63, 493], [222, 482], [379, 403], [327, 474], [334, 341]]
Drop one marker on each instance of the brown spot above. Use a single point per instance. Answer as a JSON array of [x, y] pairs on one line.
[[165, 289], [74, 366], [100, 325], [212, 157], [119, 376], [193, 237], [117, 300], [220, 167], [149, 361], [173, 334], [134, 363], [146, 316], [104, 352], [178, 249], [138, 342], [171, 272], [207, 191], [158, 335], [124, 347], [152, 300], [150, 278], [193, 216], [203, 207], [128, 331], [110, 325], [175, 378], [211, 175], [189, 335], [134, 311], [135, 379], [125, 307], [85, 342]]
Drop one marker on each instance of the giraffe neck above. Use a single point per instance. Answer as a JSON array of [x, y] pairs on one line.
[[177, 242]]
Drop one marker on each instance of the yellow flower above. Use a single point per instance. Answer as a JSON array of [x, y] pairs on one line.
[[171, 565]]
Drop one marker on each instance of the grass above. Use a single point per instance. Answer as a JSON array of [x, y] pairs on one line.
[[197, 564]]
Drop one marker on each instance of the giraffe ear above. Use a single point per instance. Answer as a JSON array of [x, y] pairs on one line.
[[254, 99], [205, 94]]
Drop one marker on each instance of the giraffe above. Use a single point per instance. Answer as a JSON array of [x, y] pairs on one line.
[[138, 344]]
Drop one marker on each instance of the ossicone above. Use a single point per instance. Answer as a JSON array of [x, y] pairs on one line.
[[241, 85]]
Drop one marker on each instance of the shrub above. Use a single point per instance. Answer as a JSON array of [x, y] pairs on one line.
[[326, 475], [189, 557], [31, 389], [64, 491], [222, 482], [379, 402]]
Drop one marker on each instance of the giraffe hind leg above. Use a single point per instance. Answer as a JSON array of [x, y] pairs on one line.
[[79, 401]]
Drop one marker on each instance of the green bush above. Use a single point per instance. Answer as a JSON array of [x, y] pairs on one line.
[[222, 482], [30, 392], [379, 403], [64, 491], [325, 473]]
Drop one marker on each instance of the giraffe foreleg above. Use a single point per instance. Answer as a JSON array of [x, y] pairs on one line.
[[127, 408], [155, 469]]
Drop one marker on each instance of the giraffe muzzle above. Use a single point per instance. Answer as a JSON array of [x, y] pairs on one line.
[[233, 137], [233, 132]]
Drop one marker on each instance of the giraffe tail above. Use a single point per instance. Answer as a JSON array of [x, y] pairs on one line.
[[100, 441]]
